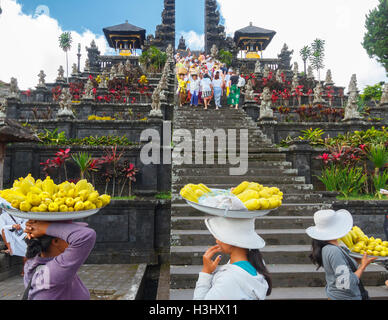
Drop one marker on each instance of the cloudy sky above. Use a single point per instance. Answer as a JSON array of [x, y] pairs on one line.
[[29, 31]]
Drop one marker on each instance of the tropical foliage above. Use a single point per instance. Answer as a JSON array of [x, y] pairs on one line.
[[153, 59]]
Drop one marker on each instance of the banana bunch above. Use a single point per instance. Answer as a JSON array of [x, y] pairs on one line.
[[257, 197], [29, 195], [193, 192], [358, 242]]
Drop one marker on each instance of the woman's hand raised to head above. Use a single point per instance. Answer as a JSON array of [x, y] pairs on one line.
[[210, 265], [36, 229]]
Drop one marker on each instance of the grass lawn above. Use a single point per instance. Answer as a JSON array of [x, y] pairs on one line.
[[124, 198], [364, 197]]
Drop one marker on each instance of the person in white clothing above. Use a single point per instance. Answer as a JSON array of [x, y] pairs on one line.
[[245, 276], [11, 229], [194, 89], [207, 90]]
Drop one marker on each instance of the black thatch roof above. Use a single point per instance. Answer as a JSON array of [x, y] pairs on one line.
[[255, 32], [12, 131], [124, 29]]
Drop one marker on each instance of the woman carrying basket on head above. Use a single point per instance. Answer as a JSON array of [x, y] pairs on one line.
[[245, 277]]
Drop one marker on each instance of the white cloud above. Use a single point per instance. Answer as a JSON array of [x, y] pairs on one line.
[[298, 23], [30, 44], [194, 41]]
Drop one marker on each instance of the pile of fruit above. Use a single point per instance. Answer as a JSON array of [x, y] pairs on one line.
[[193, 192], [256, 197], [252, 194], [358, 242], [29, 195]]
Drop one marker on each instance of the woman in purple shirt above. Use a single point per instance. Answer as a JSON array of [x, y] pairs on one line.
[[55, 252]]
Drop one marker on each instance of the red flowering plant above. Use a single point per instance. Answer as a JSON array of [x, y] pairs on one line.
[[56, 91], [56, 163], [343, 156], [76, 89], [128, 173], [330, 95]]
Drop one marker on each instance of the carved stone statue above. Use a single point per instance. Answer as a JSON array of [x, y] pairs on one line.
[[329, 79], [42, 82], [310, 74], [74, 70], [384, 97], [318, 94], [89, 95], [113, 72], [14, 91], [120, 70], [104, 80], [155, 104], [61, 73], [128, 65], [296, 68], [214, 52], [295, 82], [258, 67], [249, 92], [351, 108], [182, 44], [65, 110], [3, 109], [285, 58], [278, 76], [170, 53], [266, 111], [266, 71]]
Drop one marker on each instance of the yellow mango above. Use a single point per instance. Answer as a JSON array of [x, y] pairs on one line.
[[253, 204], [53, 207], [25, 206], [240, 188], [79, 206], [248, 195]]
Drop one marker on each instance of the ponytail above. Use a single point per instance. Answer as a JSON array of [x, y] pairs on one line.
[[256, 260], [316, 253], [36, 246]]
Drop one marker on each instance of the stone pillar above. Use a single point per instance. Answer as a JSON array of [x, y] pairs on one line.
[[300, 155]]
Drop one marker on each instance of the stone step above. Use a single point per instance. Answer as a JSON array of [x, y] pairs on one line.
[[266, 222], [299, 293], [283, 275], [270, 236], [293, 254], [225, 171], [208, 178], [258, 164], [286, 209]]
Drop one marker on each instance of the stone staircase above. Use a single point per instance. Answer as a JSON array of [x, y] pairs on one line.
[[287, 244]]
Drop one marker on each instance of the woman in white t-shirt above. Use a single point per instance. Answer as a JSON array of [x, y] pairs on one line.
[[207, 90], [217, 87]]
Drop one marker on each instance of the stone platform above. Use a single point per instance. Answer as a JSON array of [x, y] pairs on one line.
[[105, 282]]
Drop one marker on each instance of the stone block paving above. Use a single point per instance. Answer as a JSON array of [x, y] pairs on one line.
[[105, 282]]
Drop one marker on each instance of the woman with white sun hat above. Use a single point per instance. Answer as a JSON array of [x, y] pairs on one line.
[[342, 272], [245, 276]]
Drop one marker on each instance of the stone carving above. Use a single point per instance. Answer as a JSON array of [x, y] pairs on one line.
[[384, 97], [258, 67], [310, 74], [329, 79], [155, 104], [182, 44], [285, 58], [65, 110], [113, 72], [128, 65], [266, 71], [87, 65], [61, 73], [104, 80], [351, 108], [296, 68], [266, 111], [42, 82], [14, 91], [278, 76], [120, 70], [249, 92], [214, 51], [295, 82], [89, 95], [74, 70], [165, 32], [93, 54], [3, 109], [170, 53], [318, 94]]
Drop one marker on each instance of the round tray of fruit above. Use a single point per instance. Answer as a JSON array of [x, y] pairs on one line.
[[247, 200], [44, 200], [359, 244]]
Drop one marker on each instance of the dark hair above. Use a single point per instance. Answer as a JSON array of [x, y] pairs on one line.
[[256, 260], [316, 253], [35, 246], [217, 75], [206, 76]]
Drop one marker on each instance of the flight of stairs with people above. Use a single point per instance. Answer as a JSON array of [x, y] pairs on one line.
[[287, 245]]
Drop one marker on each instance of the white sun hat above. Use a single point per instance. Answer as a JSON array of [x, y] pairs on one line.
[[330, 225], [236, 232]]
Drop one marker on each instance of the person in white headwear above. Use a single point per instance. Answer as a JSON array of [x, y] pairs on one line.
[[12, 232], [245, 276], [343, 273]]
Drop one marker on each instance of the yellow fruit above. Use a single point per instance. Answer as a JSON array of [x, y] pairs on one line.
[[25, 206], [77, 199], [69, 202], [379, 248], [255, 186], [199, 193], [98, 203], [45, 195], [274, 190], [204, 187], [356, 249], [274, 203], [369, 252], [83, 194], [253, 204], [383, 253], [61, 194], [265, 194], [264, 204], [362, 252], [59, 201], [378, 240], [47, 201], [81, 185], [15, 204], [240, 188], [71, 193], [63, 208], [15, 196], [87, 205], [79, 206], [376, 253], [70, 209], [26, 185], [248, 195], [34, 199], [53, 207], [35, 209], [43, 207], [93, 197], [105, 198], [48, 186], [36, 190], [385, 244]]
